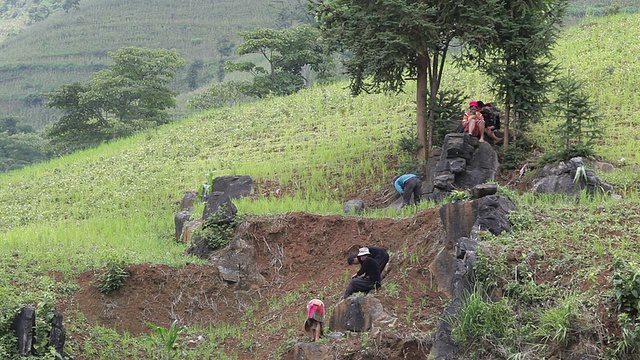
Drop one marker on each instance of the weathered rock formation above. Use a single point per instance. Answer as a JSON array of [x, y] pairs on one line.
[[562, 179]]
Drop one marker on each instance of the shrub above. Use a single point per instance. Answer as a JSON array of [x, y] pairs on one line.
[[216, 231], [482, 326], [626, 284], [114, 275]]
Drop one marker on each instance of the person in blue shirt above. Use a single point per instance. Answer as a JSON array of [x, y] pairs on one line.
[[407, 185]]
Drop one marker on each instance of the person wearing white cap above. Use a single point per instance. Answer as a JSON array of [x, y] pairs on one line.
[[367, 278], [377, 253]]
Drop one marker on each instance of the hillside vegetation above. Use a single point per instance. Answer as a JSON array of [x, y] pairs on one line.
[[70, 46], [309, 152]]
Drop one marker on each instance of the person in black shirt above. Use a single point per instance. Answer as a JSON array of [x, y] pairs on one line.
[[379, 254], [367, 278]]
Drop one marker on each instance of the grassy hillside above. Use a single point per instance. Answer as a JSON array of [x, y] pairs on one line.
[[70, 46], [322, 146]]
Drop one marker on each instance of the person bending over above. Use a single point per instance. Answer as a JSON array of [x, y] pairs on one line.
[[367, 278]]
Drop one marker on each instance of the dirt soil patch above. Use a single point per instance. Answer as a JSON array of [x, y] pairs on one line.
[[294, 252]]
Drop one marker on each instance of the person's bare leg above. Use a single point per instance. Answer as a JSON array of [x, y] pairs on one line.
[[492, 135], [472, 126], [481, 130]]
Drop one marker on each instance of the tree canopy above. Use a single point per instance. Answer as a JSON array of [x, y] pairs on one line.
[[516, 55], [391, 41], [131, 95], [287, 53]]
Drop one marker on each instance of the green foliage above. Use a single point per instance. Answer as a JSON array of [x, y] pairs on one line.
[[482, 325], [230, 93], [579, 124], [286, 51], [630, 342], [457, 195], [626, 285], [408, 162], [130, 96], [447, 114], [217, 231], [114, 275], [168, 339], [389, 42], [515, 54], [72, 45], [513, 156], [556, 324]]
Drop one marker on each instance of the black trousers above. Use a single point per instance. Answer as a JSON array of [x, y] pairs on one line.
[[411, 187], [360, 285]]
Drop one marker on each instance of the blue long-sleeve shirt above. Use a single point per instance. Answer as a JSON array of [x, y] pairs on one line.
[[400, 181]]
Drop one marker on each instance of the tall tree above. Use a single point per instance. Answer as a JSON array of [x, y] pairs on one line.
[[517, 55], [131, 95], [286, 53], [391, 41]]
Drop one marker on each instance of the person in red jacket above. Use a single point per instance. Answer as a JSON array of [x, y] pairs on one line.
[[314, 325]]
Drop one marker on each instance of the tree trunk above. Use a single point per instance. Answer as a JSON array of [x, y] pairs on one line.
[[421, 104], [507, 115]]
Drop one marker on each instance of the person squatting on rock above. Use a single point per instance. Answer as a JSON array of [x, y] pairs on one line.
[[407, 185], [474, 123], [367, 278], [379, 254], [314, 325]]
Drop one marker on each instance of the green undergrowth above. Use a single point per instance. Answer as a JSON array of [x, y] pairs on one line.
[[550, 278], [309, 152]]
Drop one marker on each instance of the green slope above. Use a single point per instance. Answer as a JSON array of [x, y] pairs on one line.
[[71, 214], [69, 47]]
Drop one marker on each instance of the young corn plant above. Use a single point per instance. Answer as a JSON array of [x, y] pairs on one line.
[[168, 338]]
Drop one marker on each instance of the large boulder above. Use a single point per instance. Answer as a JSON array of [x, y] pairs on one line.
[[237, 264], [359, 313], [219, 206], [24, 325], [463, 163], [562, 179], [180, 220], [235, 186]]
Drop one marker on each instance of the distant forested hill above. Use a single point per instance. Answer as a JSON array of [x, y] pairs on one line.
[[66, 46], [47, 43]]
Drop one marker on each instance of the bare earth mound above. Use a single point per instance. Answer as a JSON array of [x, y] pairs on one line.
[[296, 252]]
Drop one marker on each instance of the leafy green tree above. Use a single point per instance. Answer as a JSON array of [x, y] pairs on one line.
[[225, 94], [20, 150], [391, 41], [130, 96], [514, 50], [286, 53], [578, 129], [70, 5], [192, 74]]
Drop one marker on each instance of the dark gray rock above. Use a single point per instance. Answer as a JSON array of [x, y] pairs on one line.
[[313, 351], [359, 313], [199, 247], [220, 207], [352, 207], [235, 186], [481, 190], [180, 220], [560, 179], [188, 201], [237, 264], [58, 334], [493, 214], [463, 163], [24, 325]]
